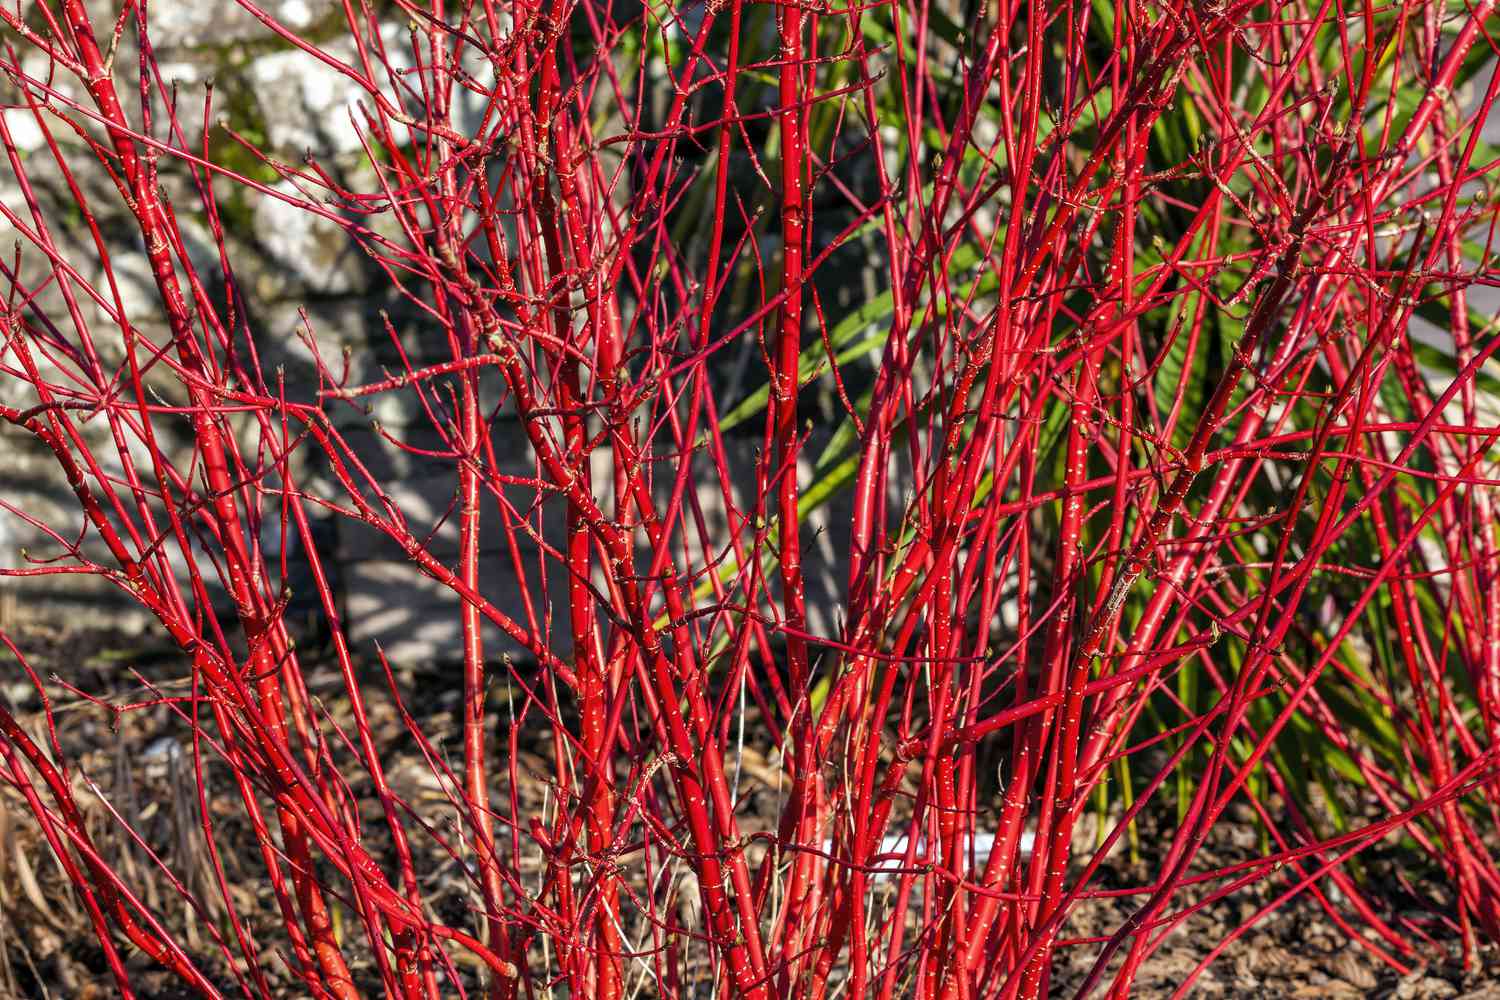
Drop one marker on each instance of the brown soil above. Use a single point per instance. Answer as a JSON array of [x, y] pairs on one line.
[[135, 760]]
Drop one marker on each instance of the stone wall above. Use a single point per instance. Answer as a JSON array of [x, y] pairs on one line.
[[303, 281]]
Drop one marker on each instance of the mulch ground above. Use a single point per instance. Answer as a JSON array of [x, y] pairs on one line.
[[136, 762]]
